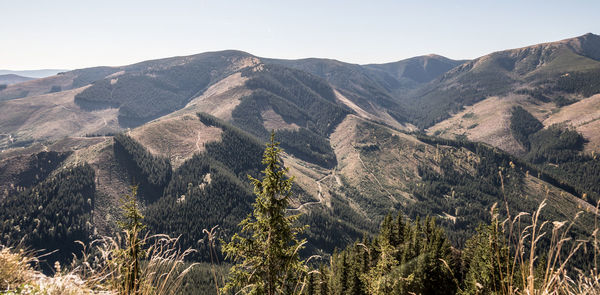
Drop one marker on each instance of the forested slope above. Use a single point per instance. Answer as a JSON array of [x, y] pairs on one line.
[[343, 131], [53, 214]]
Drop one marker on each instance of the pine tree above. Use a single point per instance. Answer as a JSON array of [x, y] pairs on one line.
[[486, 257], [384, 277], [323, 281], [265, 253], [129, 257], [338, 282]]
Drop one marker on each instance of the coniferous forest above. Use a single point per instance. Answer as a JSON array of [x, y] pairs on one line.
[[229, 173], [53, 214], [413, 253]]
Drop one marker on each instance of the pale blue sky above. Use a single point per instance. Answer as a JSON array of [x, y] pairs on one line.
[[75, 34]]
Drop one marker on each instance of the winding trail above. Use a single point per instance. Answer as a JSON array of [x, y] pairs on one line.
[[64, 107], [198, 142], [319, 195]]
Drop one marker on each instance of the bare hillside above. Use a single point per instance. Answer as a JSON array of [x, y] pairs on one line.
[[51, 117], [177, 138], [37, 86], [584, 115], [489, 120]]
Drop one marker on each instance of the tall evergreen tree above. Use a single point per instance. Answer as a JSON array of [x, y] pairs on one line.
[[265, 253], [323, 281], [129, 257], [405, 258], [486, 257]]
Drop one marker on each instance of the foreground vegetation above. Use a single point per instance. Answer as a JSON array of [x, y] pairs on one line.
[[504, 257], [126, 264], [514, 254]]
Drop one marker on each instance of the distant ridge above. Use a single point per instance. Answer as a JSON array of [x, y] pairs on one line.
[[353, 135], [421, 69], [13, 79], [33, 73]]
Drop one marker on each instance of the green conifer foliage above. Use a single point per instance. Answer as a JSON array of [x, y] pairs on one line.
[[486, 257], [129, 257], [265, 253], [405, 258]]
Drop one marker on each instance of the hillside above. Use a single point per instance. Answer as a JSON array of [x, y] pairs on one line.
[[559, 97], [410, 73], [375, 88], [62, 81], [541, 73], [50, 117], [33, 73], [189, 130], [148, 90], [12, 79], [556, 82], [378, 170]]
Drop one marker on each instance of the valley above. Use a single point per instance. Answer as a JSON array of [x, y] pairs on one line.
[[426, 136]]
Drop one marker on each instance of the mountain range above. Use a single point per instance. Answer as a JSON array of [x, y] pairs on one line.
[[13, 79], [425, 136], [33, 73]]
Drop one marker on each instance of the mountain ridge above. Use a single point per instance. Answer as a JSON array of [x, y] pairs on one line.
[[542, 81], [378, 91], [33, 73], [190, 129], [8, 79]]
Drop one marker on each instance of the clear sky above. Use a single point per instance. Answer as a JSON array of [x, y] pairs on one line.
[[69, 34]]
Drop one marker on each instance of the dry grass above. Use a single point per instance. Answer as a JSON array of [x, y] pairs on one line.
[[16, 268], [526, 273], [98, 271], [19, 276], [161, 272], [555, 276]]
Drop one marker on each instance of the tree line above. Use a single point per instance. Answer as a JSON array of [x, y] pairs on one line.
[[152, 173], [555, 154], [53, 214]]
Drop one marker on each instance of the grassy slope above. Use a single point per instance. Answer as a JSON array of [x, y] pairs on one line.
[[376, 165], [502, 74], [530, 68], [488, 120], [51, 117], [584, 115]]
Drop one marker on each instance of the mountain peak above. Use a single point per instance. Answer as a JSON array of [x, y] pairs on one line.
[[587, 45], [433, 55], [420, 69]]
